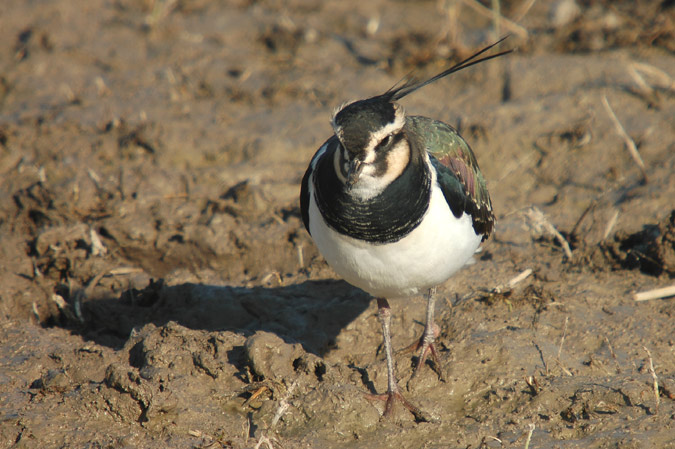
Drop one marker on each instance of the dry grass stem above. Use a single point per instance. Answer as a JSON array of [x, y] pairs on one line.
[[611, 349], [540, 223], [246, 428], [563, 369], [543, 360], [283, 404], [659, 77], [530, 431], [522, 276], [583, 215], [278, 219], [503, 21], [533, 385], [451, 9], [562, 339], [72, 314], [36, 313], [523, 10], [264, 440], [496, 439], [124, 270], [630, 144], [654, 378], [610, 225], [97, 247], [642, 86], [95, 178], [513, 282], [496, 15], [273, 275], [657, 293]]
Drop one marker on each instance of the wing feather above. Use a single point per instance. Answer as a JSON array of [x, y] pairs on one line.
[[459, 177]]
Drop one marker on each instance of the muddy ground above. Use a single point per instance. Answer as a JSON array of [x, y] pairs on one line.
[[157, 288]]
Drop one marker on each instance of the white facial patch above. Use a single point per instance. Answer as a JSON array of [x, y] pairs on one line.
[[370, 183], [337, 158]]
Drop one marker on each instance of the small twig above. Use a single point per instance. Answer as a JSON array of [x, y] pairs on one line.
[[524, 274], [610, 224], [93, 283], [95, 178], [657, 293], [656, 380], [496, 16], [611, 349], [630, 144], [273, 275], [97, 247], [562, 339], [256, 394], [533, 385], [264, 440], [530, 431], [246, 427], [543, 360], [665, 81], [512, 283], [590, 207], [63, 307], [564, 370], [301, 259], [540, 222], [124, 270], [503, 21], [523, 10], [642, 86], [283, 404], [496, 439], [278, 219], [36, 313]]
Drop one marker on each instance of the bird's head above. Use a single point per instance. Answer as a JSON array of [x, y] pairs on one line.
[[373, 148]]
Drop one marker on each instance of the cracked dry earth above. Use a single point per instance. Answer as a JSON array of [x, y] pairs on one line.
[[157, 288]]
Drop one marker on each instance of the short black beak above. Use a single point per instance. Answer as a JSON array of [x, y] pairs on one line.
[[355, 167]]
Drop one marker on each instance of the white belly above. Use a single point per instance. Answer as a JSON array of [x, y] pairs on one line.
[[426, 257]]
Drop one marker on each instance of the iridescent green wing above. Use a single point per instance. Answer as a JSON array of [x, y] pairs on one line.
[[459, 177]]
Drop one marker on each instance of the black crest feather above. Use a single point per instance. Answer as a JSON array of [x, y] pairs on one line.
[[410, 85]]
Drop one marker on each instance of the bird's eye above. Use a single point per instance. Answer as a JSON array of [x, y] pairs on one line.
[[386, 141]]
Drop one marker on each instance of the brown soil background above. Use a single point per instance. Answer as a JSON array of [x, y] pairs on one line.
[[157, 288]]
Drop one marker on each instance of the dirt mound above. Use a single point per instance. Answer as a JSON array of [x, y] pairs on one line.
[[651, 250]]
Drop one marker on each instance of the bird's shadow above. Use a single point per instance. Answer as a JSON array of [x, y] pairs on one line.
[[311, 313]]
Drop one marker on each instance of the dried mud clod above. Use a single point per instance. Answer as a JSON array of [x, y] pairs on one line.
[[53, 381], [651, 250]]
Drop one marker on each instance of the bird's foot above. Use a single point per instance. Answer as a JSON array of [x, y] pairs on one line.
[[391, 397], [425, 346]]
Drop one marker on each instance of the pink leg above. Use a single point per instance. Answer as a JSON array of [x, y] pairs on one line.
[[426, 341], [393, 393]]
